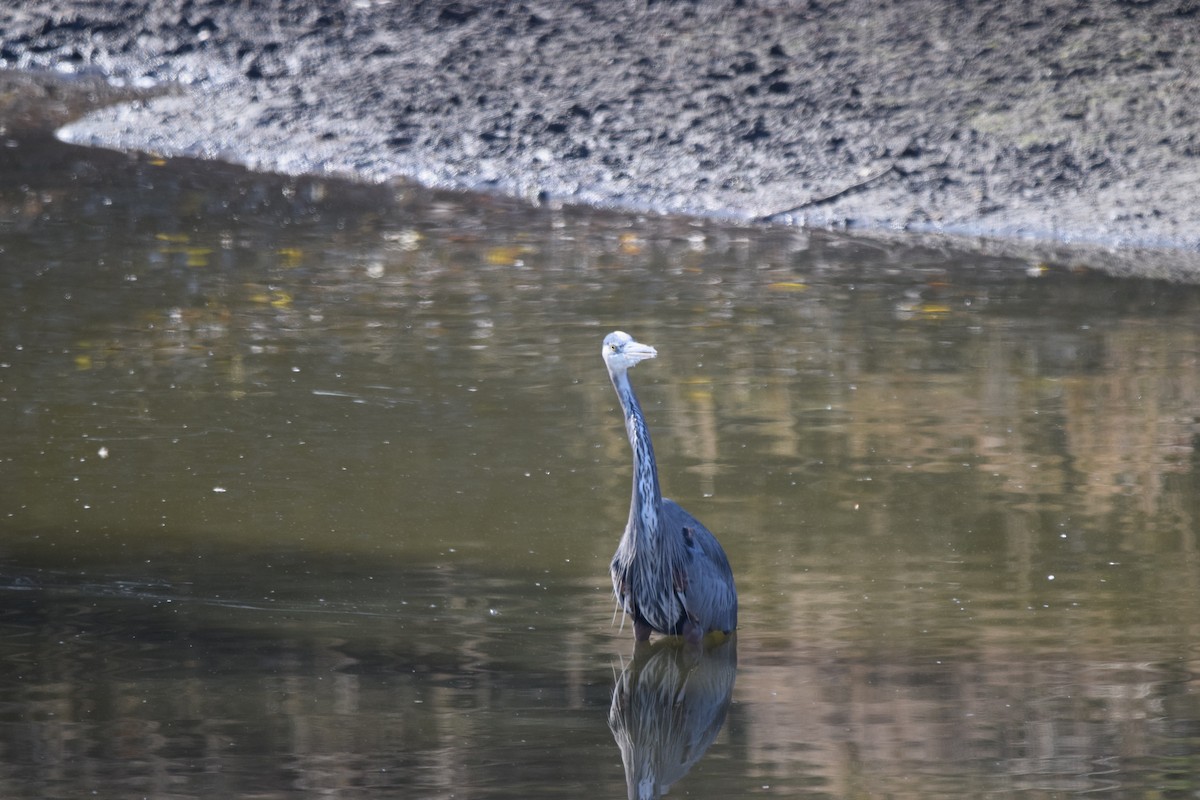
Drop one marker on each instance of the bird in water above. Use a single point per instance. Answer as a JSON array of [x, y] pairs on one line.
[[670, 574]]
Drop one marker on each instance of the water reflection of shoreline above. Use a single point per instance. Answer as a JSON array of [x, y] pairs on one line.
[[668, 706]]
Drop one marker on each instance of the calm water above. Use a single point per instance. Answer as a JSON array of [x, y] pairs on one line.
[[308, 490]]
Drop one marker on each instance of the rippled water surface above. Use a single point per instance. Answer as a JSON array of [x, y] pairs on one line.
[[310, 490]]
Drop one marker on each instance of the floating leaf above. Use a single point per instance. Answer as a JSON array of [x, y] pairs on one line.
[[507, 254], [788, 286], [290, 256], [275, 298]]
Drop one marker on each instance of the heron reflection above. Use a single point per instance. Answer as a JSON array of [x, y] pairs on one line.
[[668, 706]]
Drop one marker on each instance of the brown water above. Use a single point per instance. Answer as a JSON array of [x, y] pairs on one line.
[[310, 491]]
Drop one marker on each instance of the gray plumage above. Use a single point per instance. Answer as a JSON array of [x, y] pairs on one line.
[[669, 573]]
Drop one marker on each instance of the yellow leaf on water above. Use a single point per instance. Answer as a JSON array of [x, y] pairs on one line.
[[290, 256], [788, 286], [83, 361], [933, 309], [507, 254], [178, 238], [630, 244]]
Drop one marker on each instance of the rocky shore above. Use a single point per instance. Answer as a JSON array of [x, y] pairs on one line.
[[1057, 122]]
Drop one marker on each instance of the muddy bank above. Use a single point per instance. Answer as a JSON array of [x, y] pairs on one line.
[[1055, 121]]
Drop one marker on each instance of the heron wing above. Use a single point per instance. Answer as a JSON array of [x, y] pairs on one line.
[[708, 592]]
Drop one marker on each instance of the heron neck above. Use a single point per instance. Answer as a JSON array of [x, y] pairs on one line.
[[645, 508]]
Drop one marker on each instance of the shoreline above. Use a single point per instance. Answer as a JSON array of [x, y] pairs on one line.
[[1044, 127]]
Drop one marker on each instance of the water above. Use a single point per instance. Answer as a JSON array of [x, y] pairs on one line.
[[310, 490]]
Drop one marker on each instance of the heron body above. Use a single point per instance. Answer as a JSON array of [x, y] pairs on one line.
[[670, 574]]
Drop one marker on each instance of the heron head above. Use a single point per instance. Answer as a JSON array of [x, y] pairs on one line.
[[621, 351]]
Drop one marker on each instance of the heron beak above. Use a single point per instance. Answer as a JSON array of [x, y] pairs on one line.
[[636, 351]]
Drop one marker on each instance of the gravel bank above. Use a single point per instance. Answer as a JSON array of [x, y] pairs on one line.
[[1063, 122]]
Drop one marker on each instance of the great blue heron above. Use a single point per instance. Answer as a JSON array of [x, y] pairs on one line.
[[669, 572]]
